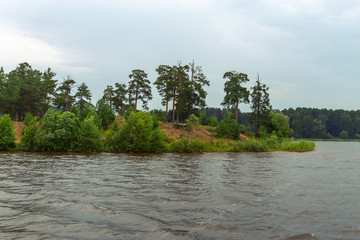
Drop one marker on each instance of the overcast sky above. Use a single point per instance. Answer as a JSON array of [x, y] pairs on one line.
[[306, 51]]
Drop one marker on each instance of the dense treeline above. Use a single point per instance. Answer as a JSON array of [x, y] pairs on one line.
[[323, 123]]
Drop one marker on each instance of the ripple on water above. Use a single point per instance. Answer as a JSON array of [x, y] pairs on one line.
[[167, 196]]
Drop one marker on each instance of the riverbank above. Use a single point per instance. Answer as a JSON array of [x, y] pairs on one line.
[[202, 139]]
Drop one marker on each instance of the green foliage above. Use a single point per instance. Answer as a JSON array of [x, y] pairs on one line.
[[119, 99], [213, 122], [251, 145], [59, 131], [138, 134], [344, 135], [29, 119], [260, 105], [279, 123], [83, 96], [89, 136], [185, 145], [297, 146], [29, 137], [29, 134], [228, 128], [139, 88], [64, 99], [7, 133], [235, 92], [192, 122], [106, 115]]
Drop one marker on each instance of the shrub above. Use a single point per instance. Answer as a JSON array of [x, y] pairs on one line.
[[192, 122], [29, 138], [7, 133], [344, 135], [185, 145], [89, 139], [138, 134], [228, 128], [213, 122], [59, 131]]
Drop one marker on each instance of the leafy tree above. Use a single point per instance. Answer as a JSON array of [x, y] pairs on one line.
[[260, 104], [83, 95], [119, 99], [59, 131], [89, 136], [279, 123], [27, 85], [29, 134], [235, 92], [64, 99], [138, 134], [7, 133], [106, 115], [139, 87]]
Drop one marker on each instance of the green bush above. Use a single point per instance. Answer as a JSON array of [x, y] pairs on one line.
[[139, 134], [89, 136], [7, 133], [106, 115], [228, 128], [185, 145], [29, 138], [59, 131], [213, 122]]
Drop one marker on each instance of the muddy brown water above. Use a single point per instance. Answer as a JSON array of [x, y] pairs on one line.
[[173, 196]]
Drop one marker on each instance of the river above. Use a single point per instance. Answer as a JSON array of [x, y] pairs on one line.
[[174, 196]]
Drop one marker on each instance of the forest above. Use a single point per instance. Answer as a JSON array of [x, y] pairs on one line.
[[44, 103]]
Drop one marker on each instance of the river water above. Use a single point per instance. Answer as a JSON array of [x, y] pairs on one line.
[[173, 196]]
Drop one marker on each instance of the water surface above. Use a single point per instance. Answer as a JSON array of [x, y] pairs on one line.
[[174, 196]]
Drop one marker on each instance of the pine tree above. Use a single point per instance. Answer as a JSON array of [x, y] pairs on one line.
[[260, 104], [139, 88], [64, 99], [235, 93], [83, 95], [120, 100]]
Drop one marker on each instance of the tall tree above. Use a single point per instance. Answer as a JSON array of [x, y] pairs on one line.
[[235, 92], [198, 81], [260, 104], [120, 100], [64, 99], [139, 87], [166, 85], [83, 96], [48, 88], [27, 83], [108, 95], [182, 79]]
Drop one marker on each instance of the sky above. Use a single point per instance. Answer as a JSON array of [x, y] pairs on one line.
[[306, 51]]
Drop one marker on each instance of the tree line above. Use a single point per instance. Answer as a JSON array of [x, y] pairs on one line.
[[27, 90]]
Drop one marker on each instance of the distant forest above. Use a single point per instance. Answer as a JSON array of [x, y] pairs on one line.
[[309, 122]]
